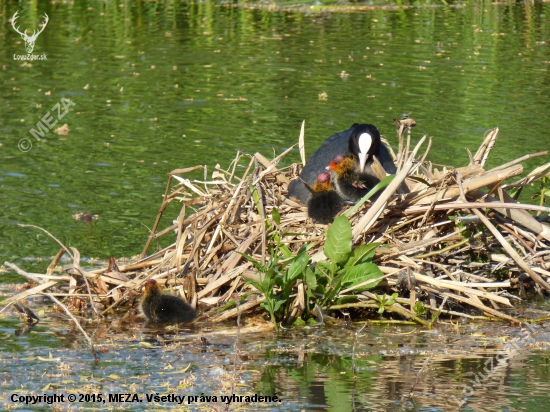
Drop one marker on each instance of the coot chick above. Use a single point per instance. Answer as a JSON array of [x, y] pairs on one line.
[[347, 143], [324, 203], [160, 308], [349, 182]]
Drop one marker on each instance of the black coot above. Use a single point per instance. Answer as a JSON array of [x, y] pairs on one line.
[[361, 140]]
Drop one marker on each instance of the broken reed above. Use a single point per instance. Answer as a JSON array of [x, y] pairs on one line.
[[432, 235]]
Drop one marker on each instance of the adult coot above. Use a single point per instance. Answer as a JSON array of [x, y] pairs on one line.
[[360, 140]]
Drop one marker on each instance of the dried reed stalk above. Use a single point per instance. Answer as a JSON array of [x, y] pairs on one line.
[[232, 216]]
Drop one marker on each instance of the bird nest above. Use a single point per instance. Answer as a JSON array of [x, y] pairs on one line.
[[459, 242]]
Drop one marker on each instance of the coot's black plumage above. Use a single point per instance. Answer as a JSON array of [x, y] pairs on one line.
[[345, 142], [324, 203], [160, 308]]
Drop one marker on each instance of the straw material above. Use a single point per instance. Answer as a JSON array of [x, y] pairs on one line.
[[458, 238]]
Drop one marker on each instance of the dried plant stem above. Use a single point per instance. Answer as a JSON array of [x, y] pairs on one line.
[[378, 207], [477, 205], [68, 312], [35, 277], [450, 247], [50, 235], [513, 254], [237, 348]]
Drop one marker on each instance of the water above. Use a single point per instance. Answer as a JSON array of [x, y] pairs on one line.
[[398, 368], [158, 86]]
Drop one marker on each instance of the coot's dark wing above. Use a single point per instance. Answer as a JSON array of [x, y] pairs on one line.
[[317, 163]]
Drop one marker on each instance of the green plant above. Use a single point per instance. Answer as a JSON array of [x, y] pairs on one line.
[[281, 270], [419, 309], [544, 190], [385, 301], [435, 316], [344, 269]]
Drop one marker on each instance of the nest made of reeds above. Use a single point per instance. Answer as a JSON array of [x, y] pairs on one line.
[[459, 242]]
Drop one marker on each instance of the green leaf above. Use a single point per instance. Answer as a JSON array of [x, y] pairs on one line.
[[346, 299], [361, 273], [279, 281], [297, 267], [419, 309], [278, 304], [324, 268], [256, 264], [391, 301], [285, 251], [419, 179], [338, 243], [333, 288], [386, 181], [276, 216], [256, 198], [362, 254], [310, 279], [256, 284]]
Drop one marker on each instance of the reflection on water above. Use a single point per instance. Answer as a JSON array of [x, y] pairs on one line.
[[397, 368]]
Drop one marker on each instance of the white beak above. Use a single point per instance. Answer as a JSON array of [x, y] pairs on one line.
[[364, 142]]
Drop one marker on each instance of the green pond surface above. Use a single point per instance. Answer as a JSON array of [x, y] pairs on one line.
[[150, 87]]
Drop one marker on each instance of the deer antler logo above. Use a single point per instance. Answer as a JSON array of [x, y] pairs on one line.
[[29, 40]]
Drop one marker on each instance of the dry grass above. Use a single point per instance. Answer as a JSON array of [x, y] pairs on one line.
[[449, 264]]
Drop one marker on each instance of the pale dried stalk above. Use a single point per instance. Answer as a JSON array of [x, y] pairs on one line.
[[464, 289], [35, 277], [68, 312], [270, 165], [521, 159], [228, 210], [520, 215], [302, 143], [379, 205], [469, 185], [513, 254], [484, 150], [471, 302], [228, 314], [477, 205], [166, 199], [400, 151]]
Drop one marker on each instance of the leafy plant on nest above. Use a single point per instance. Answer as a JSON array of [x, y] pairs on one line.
[[324, 281]]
